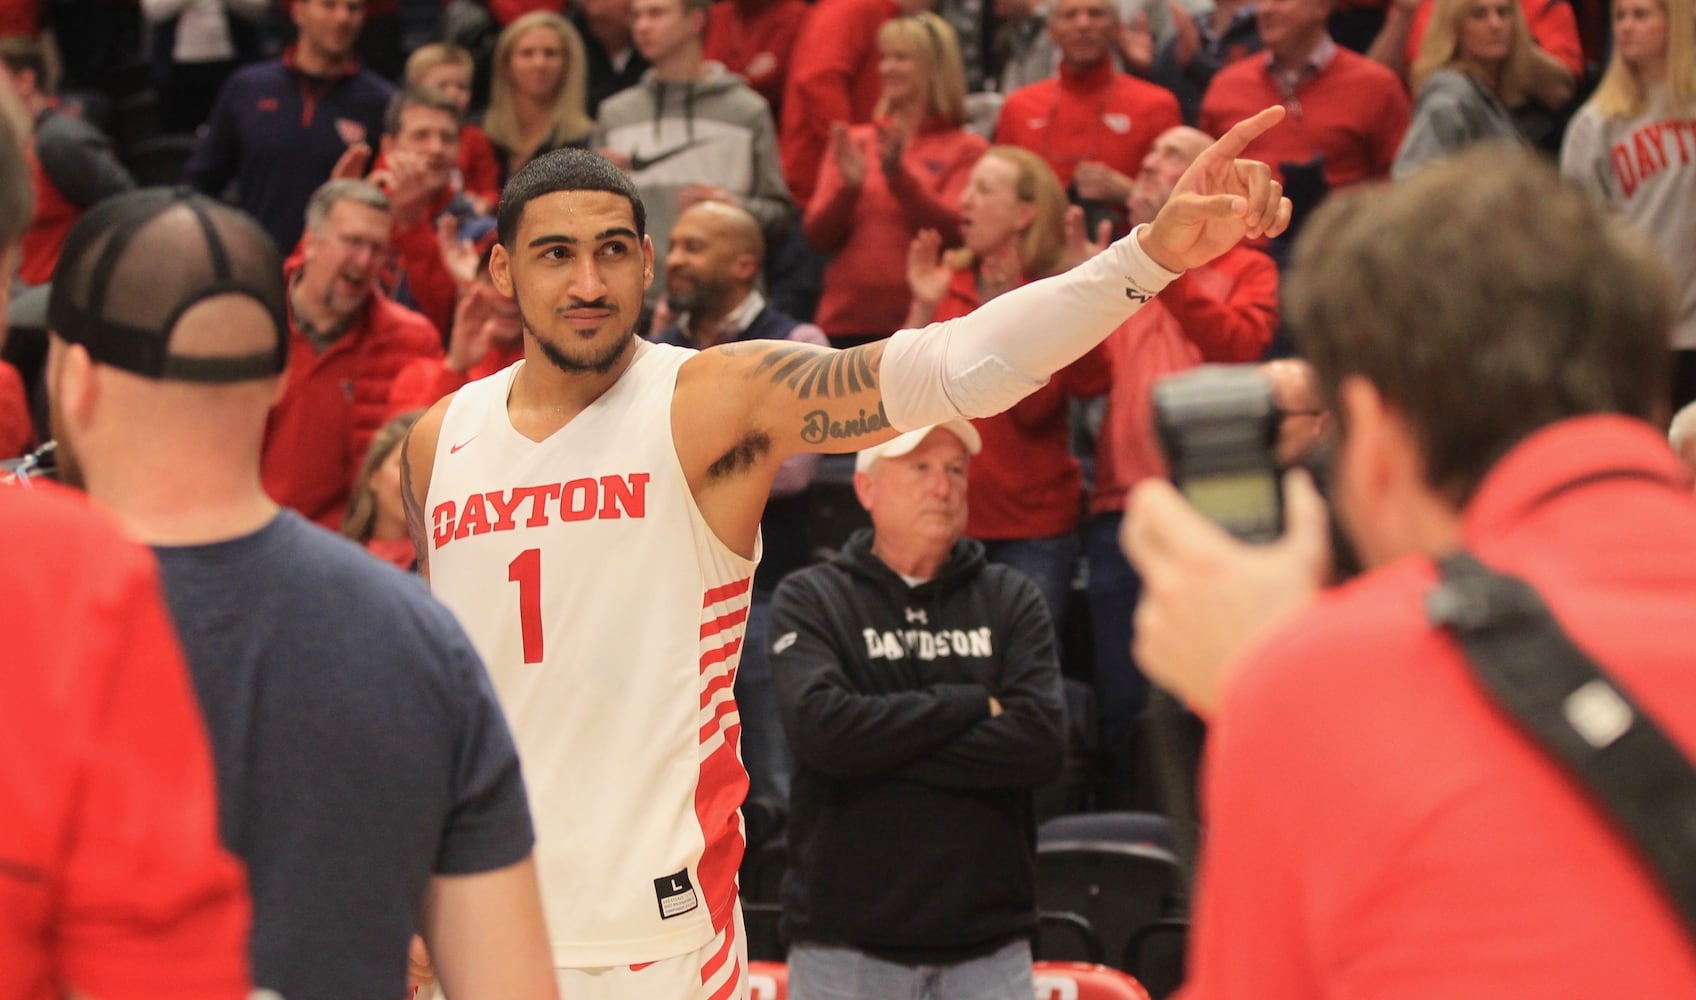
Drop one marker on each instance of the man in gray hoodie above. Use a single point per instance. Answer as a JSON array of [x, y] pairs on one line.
[[691, 131]]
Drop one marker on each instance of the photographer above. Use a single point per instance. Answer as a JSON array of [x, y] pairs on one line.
[[1494, 349]]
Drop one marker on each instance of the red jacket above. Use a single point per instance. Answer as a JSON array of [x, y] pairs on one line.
[[1101, 114], [832, 78], [1026, 483], [426, 380], [334, 402], [1353, 112], [866, 232], [755, 38], [1226, 311], [20, 17]]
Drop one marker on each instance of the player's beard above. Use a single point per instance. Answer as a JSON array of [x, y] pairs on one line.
[[598, 364]]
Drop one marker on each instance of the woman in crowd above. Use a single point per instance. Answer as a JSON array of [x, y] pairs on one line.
[[1024, 490], [538, 92], [1474, 65], [1630, 146], [375, 517], [888, 179]]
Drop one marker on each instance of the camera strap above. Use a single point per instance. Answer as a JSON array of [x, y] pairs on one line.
[[1566, 704]]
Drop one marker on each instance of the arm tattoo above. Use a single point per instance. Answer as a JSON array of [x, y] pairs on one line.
[[414, 508], [808, 370]]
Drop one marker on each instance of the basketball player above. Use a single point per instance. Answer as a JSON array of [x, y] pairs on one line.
[[591, 513]]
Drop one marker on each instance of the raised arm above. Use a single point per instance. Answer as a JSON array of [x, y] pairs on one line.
[[741, 409]]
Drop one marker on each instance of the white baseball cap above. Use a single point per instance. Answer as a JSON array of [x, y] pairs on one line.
[[896, 447]]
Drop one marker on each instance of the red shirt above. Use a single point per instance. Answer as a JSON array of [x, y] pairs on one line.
[[1377, 829], [1100, 114], [1225, 311], [20, 17], [112, 879], [866, 232], [52, 222], [1353, 112], [832, 78], [754, 38], [1025, 483], [334, 402], [1553, 24]]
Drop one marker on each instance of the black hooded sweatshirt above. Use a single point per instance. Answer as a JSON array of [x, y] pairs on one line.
[[912, 834]]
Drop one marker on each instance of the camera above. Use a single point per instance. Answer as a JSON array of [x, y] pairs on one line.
[[1218, 426]]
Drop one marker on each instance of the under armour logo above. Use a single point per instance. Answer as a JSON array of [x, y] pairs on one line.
[[917, 615]]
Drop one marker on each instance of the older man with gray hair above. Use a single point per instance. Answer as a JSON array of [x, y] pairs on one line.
[[920, 690]]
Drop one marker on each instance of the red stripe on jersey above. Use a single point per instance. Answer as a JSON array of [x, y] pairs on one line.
[[713, 657], [712, 965], [712, 725], [726, 592], [719, 793], [723, 622], [716, 685], [730, 986]]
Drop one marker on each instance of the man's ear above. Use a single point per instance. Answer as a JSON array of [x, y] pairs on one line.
[[75, 385], [863, 488], [500, 270], [385, 145], [746, 267], [647, 262]]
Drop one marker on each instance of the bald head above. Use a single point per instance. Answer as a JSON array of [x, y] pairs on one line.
[[1303, 418], [1172, 153], [714, 259]]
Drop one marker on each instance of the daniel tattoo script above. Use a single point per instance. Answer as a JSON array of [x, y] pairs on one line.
[[820, 428]]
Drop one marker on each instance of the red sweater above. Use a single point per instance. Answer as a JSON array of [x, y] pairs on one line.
[[1026, 482], [1224, 312], [1101, 114], [755, 38], [334, 402], [52, 222], [866, 231], [1353, 112], [832, 78]]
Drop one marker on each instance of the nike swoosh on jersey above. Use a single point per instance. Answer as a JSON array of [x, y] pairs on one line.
[[639, 163], [454, 449]]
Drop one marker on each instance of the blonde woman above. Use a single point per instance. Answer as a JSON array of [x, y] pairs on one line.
[[538, 91], [886, 180], [1633, 146], [1474, 64], [375, 516], [1024, 489]]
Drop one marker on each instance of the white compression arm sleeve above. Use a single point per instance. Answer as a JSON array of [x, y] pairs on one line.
[[983, 363]]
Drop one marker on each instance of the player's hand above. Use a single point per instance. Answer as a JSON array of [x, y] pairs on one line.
[[1219, 201], [1206, 596], [850, 161]]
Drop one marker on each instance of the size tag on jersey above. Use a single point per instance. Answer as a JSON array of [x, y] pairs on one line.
[[676, 895]]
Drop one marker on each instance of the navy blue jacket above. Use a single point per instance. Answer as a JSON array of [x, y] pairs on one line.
[[278, 133]]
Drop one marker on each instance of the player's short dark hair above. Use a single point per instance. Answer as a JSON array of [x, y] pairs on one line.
[[563, 170], [417, 97], [1484, 299]]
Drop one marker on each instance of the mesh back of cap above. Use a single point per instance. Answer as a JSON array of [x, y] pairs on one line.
[[134, 264]]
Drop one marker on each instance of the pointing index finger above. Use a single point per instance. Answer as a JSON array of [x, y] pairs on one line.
[[1232, 143]]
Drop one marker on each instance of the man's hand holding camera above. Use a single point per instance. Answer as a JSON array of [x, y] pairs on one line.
[[1206, 596]]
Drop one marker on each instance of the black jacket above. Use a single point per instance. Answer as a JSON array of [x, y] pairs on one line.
[[912, 832]]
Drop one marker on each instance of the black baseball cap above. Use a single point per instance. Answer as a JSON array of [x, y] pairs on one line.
[[136, 262]]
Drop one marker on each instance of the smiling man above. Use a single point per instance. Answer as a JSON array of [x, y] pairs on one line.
[[592, 515], [347, 341]]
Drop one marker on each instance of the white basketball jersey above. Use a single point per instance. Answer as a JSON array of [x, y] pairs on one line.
[[610, 618]]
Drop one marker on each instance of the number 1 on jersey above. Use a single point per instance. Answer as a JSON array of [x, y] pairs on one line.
[[526, 571]]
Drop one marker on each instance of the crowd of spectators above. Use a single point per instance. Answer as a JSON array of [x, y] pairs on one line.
[[820, 172]]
